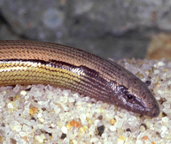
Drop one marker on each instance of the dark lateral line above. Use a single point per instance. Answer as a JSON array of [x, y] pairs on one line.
[[57, 64]]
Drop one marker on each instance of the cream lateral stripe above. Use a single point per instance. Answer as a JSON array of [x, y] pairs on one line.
[[41, 73]]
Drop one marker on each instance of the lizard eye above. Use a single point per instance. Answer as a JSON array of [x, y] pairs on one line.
[[129, 96]]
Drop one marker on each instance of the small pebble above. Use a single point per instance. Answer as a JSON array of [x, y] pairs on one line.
[[101, 129], [23, 93], [64, 130], [148, 82], [63, 136]]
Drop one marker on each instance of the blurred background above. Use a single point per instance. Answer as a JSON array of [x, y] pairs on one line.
[[111, 29]]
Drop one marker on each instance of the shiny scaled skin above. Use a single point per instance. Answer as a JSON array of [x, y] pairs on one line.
[[30, 62]]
